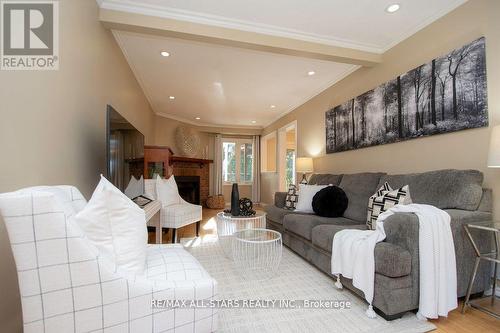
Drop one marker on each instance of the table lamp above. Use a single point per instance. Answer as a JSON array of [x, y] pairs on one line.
[[304, 165]]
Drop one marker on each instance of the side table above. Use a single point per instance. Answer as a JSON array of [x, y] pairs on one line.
[[493, 257], [227, 225]]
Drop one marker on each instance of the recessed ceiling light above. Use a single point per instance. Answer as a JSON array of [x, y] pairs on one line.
[[171, 97], [311, 73], [273, 106], [165, 54], [197, 118], [253, 121], [392, 8]]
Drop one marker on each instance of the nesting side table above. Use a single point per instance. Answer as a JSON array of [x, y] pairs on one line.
[[493, 257], [227, 225]]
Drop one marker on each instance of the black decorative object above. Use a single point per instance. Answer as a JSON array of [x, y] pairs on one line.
[[445, 95], [330, 202], [235, 201], [246, 206]]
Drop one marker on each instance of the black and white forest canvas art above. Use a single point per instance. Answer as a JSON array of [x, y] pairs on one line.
[[445, 95]]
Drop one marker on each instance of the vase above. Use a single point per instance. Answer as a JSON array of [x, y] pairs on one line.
[[235, 201]]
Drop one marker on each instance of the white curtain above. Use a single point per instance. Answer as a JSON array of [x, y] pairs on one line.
[[256, 169], [218, 164]]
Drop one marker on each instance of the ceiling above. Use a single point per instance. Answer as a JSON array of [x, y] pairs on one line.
[[230, 86], [359, 24], [224, 86]]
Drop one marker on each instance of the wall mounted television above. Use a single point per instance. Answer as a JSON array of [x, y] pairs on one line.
[[124, 154]]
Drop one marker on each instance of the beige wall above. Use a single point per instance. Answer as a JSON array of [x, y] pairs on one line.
[[165, 129], [465, 149], [52, 128], [53, 122]]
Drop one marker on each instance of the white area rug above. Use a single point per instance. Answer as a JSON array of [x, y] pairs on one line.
[[296, 280]]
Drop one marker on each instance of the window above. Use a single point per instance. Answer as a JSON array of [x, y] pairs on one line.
[[237, 161], [229, 162], [290, 167]]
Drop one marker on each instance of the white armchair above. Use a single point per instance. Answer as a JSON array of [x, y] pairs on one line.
[[177, 215], [66, 286]]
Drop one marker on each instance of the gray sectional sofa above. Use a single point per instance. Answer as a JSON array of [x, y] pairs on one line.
[[458, 192]]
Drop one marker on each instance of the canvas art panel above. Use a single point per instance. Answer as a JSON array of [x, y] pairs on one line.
[[447, 94]]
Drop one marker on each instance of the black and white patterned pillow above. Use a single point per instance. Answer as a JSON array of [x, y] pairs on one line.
[[292, 196], [384, 199]]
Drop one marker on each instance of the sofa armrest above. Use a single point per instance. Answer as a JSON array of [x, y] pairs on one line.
[[402, 229], [279, 199]]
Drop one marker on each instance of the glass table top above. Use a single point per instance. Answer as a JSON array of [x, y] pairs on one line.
[[257, 235]]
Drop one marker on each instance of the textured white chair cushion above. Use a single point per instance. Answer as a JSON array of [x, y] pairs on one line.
[[116, 226], [70, 198], [67, 286], [179, 215]]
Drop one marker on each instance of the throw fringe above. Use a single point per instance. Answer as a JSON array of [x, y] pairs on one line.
[[338, 284], [370, 313]]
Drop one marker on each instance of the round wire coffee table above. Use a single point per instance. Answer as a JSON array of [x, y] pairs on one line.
[[227, 225], [257, 252]]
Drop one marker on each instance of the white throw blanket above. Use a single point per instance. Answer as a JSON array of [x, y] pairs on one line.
[[353, 257]]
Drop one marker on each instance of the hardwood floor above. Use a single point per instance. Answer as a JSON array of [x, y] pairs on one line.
[[471, 322]]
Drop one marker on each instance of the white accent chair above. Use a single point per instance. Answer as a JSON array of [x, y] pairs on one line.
[[67, 286], [177, 215]]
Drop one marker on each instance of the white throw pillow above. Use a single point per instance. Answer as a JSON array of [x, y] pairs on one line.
[[167, 191], [135, 187], [306, 194], [116, 226]]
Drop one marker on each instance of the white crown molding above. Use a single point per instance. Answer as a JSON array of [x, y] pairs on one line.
[[219, 21], [224, 22], [338, 78], [413, 30]]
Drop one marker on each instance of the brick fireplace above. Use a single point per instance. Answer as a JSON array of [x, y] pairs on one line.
[[190, 172]]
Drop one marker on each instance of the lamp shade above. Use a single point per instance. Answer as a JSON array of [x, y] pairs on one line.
[[494, 154], [304, 165]]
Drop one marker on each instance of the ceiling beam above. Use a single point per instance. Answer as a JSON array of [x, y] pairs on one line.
[[146, 24]]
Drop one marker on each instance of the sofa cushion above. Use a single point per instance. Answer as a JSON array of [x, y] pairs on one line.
[[390, 260], [358, 188], [276, 214], [302, 225], [445, 189], [322, 235], [324, 179]]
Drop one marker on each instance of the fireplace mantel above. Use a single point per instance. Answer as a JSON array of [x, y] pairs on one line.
[[181, 159]]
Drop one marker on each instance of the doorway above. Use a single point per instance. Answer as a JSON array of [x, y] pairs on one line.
[[287, 154]]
